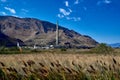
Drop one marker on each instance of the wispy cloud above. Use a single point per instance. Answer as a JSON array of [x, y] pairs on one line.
[[107, 1], [104, 2], [66, 3], [68, 12], [3, 13], [73, 18], [24, 11], [64, 12], [10, 10], [3, 0], [17, 16], [76, 2], [60, 15]]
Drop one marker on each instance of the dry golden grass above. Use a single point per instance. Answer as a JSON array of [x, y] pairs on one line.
[[68, 64], [67, 60]]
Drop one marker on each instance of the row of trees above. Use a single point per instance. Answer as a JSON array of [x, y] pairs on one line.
[[101, 48]]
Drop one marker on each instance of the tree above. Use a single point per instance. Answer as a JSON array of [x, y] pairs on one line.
[[103, 48]]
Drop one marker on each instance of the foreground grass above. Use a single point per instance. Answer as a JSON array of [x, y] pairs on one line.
[[52, 66]]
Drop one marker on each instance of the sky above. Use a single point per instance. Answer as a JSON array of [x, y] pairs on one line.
[[99, 19]]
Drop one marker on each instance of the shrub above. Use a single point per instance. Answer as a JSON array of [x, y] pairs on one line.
[[9, 49], [35, 51], [63, 49], [103, 48]]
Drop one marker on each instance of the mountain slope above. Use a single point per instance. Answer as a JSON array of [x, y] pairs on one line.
[[7, 41], [33, 31]]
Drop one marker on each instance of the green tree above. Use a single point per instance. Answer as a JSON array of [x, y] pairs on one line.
[[103, 48]]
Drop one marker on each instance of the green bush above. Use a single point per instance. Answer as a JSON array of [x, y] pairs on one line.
[[9, 49], [35, 51], [63, 49], [103, 48]]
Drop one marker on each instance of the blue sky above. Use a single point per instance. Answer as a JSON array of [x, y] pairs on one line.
[[99, 19]]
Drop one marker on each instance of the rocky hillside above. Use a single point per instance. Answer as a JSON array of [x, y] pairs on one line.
[[33, 31], [7, 41]]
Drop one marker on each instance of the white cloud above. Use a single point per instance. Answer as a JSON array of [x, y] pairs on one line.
[[16, 16], [70, 10], [24, 10], [66, 3], [3, 13], [68, 18], [64, 12], [104, 2], [73, 18], [76, 2], [60, 16], [10, 10], [107, 1], [3, 0]]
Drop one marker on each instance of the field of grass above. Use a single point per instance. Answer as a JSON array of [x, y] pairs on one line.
[[48, 65]]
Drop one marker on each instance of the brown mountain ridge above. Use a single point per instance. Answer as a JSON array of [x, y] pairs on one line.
[[33, 31]]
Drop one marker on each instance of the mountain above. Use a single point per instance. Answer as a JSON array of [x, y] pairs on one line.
[[115, 45], [33, 31], [7, 41]]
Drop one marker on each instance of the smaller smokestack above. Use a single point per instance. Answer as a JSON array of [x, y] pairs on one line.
[[18, 45], [34, 46]]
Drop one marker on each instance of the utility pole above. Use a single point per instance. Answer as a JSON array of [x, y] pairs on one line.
[[57, 34]]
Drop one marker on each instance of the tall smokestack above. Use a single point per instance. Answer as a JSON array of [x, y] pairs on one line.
[[57, 34]]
